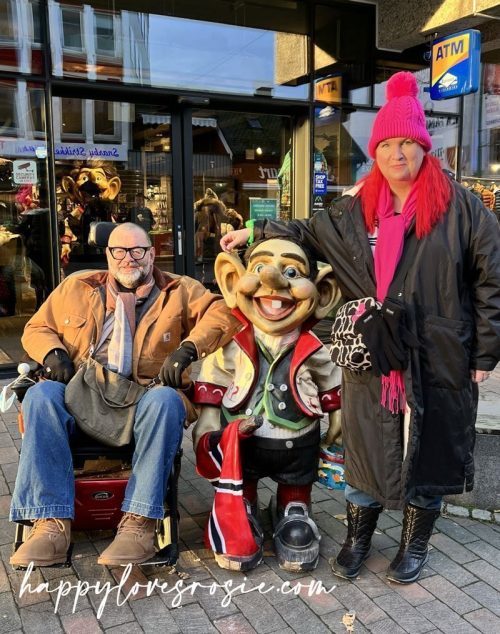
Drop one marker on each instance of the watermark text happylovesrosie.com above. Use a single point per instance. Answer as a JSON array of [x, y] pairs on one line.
[[120, 595]]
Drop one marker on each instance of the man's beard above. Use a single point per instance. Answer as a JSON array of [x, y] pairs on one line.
[[131, 279]]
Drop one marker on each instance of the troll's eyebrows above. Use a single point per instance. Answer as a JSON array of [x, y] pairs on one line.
[[291, 256]]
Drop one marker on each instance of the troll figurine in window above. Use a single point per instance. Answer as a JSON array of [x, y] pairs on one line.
[[262, 397]]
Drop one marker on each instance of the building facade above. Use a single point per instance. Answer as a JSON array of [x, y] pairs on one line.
[[189, 118]]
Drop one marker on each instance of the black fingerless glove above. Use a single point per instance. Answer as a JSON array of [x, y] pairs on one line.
[[386, 353], [175, 364], [57, 366]]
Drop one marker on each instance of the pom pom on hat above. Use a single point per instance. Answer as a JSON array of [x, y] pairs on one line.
[[401, 85], [402, 116]]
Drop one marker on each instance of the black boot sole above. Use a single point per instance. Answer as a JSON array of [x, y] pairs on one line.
[[346, 573], [411, 579]]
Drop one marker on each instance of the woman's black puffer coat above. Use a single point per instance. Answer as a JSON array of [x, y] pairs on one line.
[[452, 297]]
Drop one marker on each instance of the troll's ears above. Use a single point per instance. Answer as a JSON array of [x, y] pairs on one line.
[[328, 292], [228, 270]]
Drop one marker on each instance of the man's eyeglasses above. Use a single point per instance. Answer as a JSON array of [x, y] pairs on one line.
[[119, 253]]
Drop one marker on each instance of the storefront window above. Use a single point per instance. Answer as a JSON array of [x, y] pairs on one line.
[[243, 52], [25, 252], [242, 169], [120, 171], [481, 152], [20, 37]]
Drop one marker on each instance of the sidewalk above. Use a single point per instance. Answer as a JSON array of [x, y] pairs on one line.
[[458, 593]]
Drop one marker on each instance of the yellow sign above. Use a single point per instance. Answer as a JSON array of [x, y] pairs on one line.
[[329, 90], [447, 54]]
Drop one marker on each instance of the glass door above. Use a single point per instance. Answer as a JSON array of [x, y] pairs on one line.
[[242, 169], [113, 162]]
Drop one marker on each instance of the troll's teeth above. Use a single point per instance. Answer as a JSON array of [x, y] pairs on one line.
[[276, 303]]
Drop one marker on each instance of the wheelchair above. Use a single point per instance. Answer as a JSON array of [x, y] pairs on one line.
[[102, 472]]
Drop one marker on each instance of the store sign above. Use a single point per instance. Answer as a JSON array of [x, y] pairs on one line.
[[261, 208], [320, 183], [328, 90], [455, 65], [24, 172], [91, 151], [80, 151]]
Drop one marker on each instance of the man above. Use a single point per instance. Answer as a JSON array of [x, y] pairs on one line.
[[142, 323], [142, 215]]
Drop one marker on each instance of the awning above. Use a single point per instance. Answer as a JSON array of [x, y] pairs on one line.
[[164, 119]]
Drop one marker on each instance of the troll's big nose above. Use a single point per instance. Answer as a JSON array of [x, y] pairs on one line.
[[270, 276]]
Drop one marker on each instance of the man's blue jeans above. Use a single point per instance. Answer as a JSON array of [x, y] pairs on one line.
[[356, 496], [45, 485]]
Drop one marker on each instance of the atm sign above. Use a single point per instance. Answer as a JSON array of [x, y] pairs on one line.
[[455, 64]]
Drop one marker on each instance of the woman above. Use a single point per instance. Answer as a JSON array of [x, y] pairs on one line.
[[416, 446]]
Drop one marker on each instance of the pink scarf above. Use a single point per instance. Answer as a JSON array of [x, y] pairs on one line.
[[390, 241]]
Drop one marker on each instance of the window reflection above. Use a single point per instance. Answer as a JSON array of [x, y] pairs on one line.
[[20, 36], [160, 50]]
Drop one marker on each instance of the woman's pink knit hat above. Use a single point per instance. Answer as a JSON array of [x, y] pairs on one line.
[[402, 115]]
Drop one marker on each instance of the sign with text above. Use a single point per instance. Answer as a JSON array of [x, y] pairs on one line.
[[79, 151], [320, 183], [24, 172], [455, 64], [262, 208], [328, 90]]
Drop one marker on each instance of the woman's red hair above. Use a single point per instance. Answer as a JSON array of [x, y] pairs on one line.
[[433, 197]]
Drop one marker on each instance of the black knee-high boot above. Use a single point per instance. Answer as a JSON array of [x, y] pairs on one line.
[[361, 523], [413, 550]]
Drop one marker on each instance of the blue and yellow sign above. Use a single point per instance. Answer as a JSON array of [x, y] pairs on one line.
[[455, 64]]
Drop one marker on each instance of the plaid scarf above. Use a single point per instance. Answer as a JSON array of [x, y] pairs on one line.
[[122, 305]]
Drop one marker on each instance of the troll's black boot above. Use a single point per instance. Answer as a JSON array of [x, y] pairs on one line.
[[413, 551], [361, 523]]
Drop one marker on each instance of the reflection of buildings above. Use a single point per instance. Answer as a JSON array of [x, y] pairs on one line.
[[97, 43], [20, 36]]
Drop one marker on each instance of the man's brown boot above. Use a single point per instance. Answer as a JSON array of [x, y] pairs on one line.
[[46, 545], [133, 544]]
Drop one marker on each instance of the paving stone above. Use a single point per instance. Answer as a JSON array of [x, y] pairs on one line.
[[333, 621], [484, 620], [377, 562], [386, 521], [83, 622], [131, 628], [384, 540], [152, 612], [5, 505], [404, 614], [66, 598], [320, 602], [445, 618], [371, 584], [301, 618], [414, 593], [481, 514], [486, 572], [449, 594], [460, 511], [385, 626], [487, 532], [40, 619], [261, 615], [212, 603], [449, 569], [8, 455], [192, 620], [352, 598], [234, 624], [485, 595], [455, 531], [31, 582], [9, 471], [450, 547], [6, 440], [9, 616], [486, 551]]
